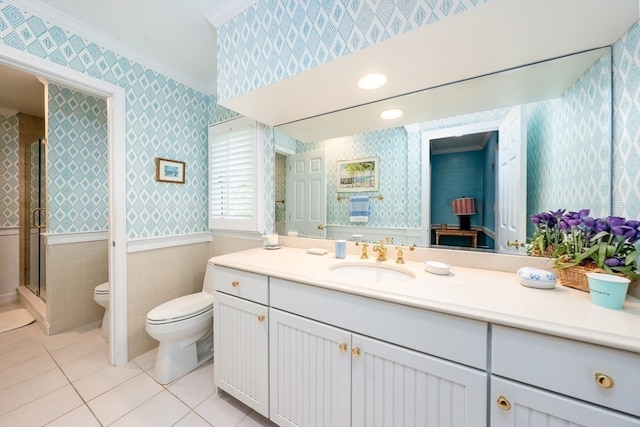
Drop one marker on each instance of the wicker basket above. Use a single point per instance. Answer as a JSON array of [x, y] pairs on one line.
[[576, 277]]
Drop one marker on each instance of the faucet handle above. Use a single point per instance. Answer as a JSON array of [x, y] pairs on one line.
[[364, 250], [400, 259]]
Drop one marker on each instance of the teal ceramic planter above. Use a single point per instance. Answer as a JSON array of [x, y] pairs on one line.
[[607, 290]]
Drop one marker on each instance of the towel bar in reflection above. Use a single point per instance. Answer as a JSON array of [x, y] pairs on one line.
[[379, 197]]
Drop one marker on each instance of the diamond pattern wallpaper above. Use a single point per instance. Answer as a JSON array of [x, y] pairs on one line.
[[164, 118], [9, 183], [276, 39], [77, 162], [569, 146], [626, 124]]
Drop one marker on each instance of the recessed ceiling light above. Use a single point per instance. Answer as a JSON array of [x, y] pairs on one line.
[[391, 114], [372, 81]]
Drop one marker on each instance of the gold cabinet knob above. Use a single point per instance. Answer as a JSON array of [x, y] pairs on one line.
[[321, 227], [261, 318], [235, 283], [355, 352], [342, 347], [603, 380], [503, 403]]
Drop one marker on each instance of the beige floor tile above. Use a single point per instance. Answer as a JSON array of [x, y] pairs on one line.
[[120, 400], [26, 370], [43, 410], [21, 354], [75, 351], [222, 410], [104, 379], [146, 361], [192, 420], [87, 364], [27, 391], [196, 386], [163, 409], [79, 417], [21, 337], [253, 419], [58, 341]]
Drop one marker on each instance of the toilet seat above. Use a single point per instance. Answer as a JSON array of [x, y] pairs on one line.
[[180, 309], [101, 289]]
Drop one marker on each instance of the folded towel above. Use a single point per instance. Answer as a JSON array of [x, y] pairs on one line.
[[359, 208]]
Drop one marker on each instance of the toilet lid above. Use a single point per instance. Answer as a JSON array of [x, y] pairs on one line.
[[102, 289], [181, 308]]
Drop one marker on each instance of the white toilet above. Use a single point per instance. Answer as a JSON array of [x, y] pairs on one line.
[[184, 329], [101, 297]]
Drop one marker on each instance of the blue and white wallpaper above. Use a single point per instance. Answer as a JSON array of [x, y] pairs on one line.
[[164, 118], [9, 187], [626, 124], [276, 39], [77, 162]]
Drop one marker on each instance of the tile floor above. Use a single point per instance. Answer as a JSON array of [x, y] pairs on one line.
[[65, 380]]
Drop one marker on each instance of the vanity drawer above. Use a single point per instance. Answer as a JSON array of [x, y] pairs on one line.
[[250, 286], [597, 374]]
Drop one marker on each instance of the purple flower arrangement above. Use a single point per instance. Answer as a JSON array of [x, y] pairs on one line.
[[575, 238]]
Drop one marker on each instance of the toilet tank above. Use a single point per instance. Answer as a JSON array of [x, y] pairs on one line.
[[207, 285]]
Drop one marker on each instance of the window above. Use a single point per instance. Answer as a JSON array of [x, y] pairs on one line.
[[235, 175]]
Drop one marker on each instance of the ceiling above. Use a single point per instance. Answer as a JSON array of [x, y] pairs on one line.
[[175, 37]]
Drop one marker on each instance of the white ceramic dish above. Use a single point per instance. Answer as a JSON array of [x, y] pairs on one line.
[[536, 278], [272, 247], [436, 267]]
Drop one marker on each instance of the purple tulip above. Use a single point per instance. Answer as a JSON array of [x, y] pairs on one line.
[[612, 262], [615, 221], [633, 223]]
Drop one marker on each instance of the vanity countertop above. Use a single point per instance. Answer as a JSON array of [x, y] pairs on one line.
[[486, 295]]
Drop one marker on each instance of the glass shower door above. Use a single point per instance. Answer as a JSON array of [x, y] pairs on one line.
[[37, 201]]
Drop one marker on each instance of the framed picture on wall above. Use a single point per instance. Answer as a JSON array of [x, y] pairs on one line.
[[358, 175], [169, 170]]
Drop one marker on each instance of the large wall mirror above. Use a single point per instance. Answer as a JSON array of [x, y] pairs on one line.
[[453, 149]]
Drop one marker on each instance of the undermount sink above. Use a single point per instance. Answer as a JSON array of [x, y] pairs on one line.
[[373, 273]]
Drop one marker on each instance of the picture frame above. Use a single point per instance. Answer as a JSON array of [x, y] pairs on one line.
[[170, 170], [358, 175]]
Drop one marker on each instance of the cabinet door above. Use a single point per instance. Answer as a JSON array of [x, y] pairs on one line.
[[516, 405], [310, 372], [393, 386], [241, 346]]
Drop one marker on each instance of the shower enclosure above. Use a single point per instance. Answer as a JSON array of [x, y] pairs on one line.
[[35, 199]]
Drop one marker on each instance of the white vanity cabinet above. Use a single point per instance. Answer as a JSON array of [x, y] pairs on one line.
[[325, 374], [241, 336], [544, 380]]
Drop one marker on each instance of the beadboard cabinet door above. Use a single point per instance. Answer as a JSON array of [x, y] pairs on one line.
[[517, 405], [241, 345], [310, 372], [394, 386]]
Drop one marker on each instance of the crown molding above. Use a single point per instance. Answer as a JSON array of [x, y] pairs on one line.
[[7, 112], [226, 10], [42, 10]]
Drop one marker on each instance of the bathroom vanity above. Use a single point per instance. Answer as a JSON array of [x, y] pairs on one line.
[[304, 342]]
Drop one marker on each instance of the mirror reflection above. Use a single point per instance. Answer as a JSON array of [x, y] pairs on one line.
[[564, 144]]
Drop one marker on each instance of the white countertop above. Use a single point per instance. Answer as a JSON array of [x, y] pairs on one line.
[[486, 295]]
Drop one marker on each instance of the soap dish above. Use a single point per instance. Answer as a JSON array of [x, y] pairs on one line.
[[436, 267]]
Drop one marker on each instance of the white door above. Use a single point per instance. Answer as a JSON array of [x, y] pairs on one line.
[[517, 405], [310, 367], [241, 345], [393, 386], [512, 182], [306, 201]]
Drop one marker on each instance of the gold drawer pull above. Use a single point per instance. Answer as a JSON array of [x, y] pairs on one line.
[[261, 318], [342, 347], [503, 403], [355, 352], [235, 283], [603, 380]]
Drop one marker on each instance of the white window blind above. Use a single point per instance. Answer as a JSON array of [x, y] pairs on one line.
[[233, 175]]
